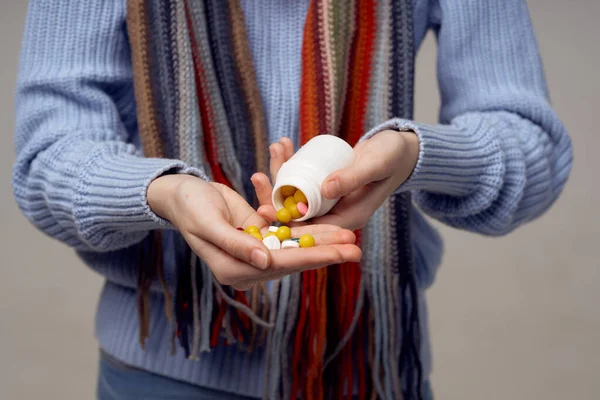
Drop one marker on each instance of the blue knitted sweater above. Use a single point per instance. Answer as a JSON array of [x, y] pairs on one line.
[[499, 158]]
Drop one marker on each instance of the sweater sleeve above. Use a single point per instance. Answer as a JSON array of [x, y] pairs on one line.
[[500, 156], [79, 176]]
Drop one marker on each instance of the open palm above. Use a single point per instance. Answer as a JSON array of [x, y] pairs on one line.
[[207, 215]]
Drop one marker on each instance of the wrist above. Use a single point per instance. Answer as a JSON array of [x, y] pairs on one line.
[[407, 151], [407, 157], [412, 148], [162, 191]]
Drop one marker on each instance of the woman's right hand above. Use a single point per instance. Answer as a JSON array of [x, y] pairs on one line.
[[207, 215]]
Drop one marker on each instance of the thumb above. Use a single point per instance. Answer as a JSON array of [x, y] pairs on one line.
[[345, 181], [238, 244], [262, 187]]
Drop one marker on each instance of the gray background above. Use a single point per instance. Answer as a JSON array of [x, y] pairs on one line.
[[511, 318]]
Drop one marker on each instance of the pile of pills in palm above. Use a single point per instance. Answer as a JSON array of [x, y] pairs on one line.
[[280, 237], [295, 204]]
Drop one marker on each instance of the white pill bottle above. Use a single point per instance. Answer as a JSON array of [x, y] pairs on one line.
[[307, 169]]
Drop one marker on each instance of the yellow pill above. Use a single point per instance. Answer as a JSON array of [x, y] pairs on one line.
[[284, 215], [289, 201], [293, 209], [283, 233], [270, 234], [256, 235], [307, 240], [300, 197], [252, 228], [287, 191]]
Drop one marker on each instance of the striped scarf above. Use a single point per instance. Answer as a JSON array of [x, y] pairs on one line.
[[325, 331]]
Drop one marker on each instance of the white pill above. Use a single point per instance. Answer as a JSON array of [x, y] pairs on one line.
[[289, 244], [272, 243], [273, 228]]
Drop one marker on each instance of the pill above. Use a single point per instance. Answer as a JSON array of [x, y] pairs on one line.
[[256, 235], [272, 243], [294, 213], [252, 228], [283, 233], [302, 208], [289, 244], [273, 228], [300, 197], [288, 191], [284, 215], [289, 201], [307, 240], [270, 234]]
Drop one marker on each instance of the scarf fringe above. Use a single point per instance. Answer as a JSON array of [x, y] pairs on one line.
[[326, 332]]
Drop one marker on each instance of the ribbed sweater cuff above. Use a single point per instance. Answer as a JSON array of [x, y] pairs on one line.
[[452, 161], [111, 195]]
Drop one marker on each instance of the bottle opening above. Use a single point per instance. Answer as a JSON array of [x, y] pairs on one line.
[[290, 202], [301, 198], [277, 199]]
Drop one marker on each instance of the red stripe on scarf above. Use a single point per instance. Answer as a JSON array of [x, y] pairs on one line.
[[244, 319], [312, 324], [217, 323], [353, 126], [360, 72], [206, 111], [299, 358], [207, 118], [309, 105]]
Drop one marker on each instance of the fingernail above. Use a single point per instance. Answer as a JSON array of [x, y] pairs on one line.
[[259, 259], [332, 189]]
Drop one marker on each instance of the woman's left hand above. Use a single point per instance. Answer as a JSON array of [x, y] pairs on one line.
[[382, 164]]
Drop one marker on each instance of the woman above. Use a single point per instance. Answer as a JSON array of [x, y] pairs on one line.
[[203, 87]]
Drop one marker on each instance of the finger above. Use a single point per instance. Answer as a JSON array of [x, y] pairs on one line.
[[226, 269], [341, 236], [254, 220], [242, 213], [341, 253], [288, 147], [314, 229], [267, 212], [314, 257], [337, 219], [365, 170], [354, 210], [238, 244], [231, 271], [242, 286], [325, 237], [277, 159], [263, 188]]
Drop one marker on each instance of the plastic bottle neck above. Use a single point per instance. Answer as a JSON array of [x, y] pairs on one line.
[[311, 190]]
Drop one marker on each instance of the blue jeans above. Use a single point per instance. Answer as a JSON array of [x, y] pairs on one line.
[[117, 381]]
